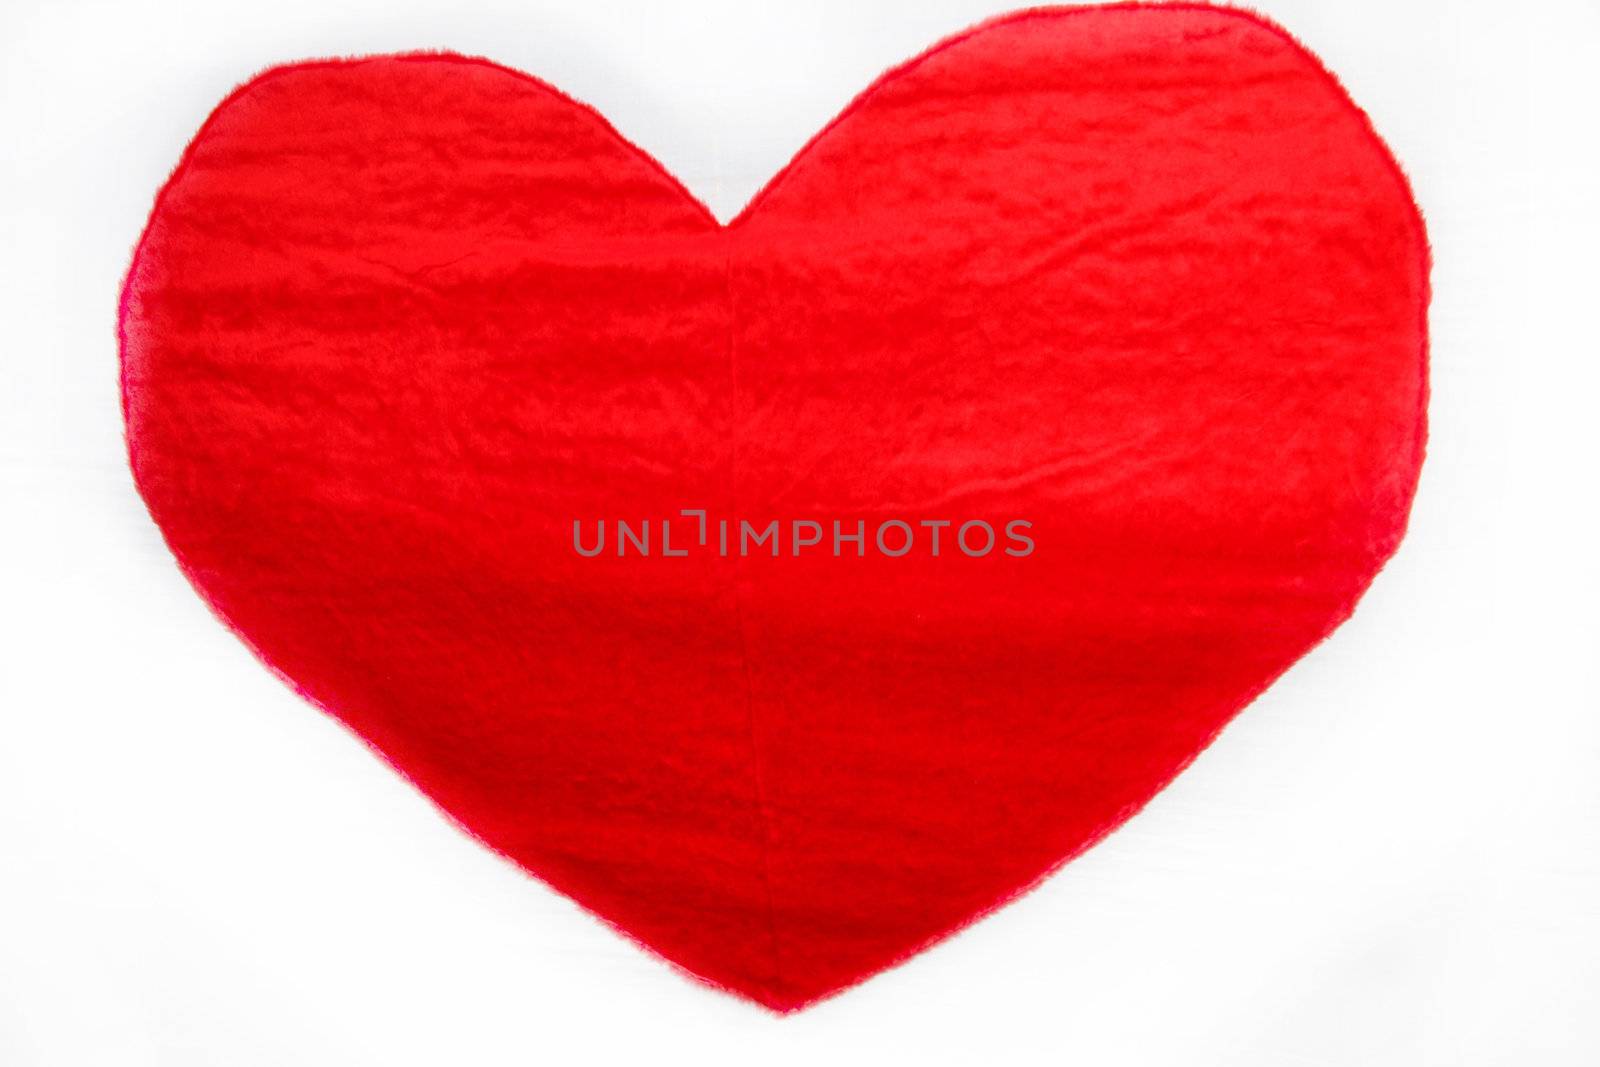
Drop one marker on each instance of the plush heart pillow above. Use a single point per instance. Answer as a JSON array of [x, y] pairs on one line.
[[793, 591]]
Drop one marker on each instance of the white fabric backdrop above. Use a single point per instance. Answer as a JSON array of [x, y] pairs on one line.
[[1392, 858]]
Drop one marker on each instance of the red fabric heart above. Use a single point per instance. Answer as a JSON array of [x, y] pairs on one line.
[[1141, 277]]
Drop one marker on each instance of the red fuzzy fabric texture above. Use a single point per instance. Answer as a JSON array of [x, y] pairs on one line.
[[1140, 277]]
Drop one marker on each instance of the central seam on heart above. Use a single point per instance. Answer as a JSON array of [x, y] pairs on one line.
[[738, 593]]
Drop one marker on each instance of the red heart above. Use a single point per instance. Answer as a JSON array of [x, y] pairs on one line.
[[1141, 277]]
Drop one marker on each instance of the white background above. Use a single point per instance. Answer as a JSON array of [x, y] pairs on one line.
[[1391, 858]]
